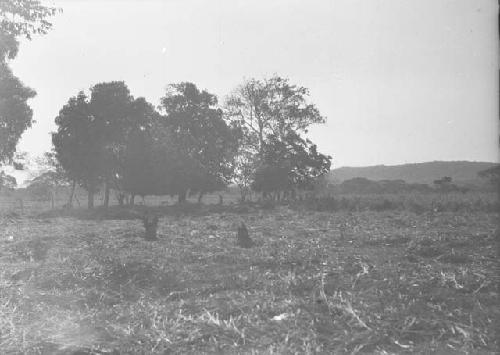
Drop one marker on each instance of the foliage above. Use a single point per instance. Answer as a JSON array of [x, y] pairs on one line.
[[50, 179], [299, 157], [270, 178], [21, 18], [137, 169], [25, 17], [44, 187], [41, 188], [77, 142], [92, 133], [17, 18], [205, 142], [271, 107], [272, 114], [15, 114]]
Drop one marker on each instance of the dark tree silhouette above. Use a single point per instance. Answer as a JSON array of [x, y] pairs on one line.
[[112, 117], [77, 144], [15, 113], [204, 140], [17, 18]]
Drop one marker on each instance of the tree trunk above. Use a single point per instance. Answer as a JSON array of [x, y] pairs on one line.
[[243, 194], [200, 197], [221, 200], [52, 198], [106, 194], [71, 194], [261, 138], [90, 198], [132, 200], [121, 199], [182, 197]]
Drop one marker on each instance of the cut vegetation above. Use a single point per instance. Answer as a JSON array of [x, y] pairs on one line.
[[314, 282]]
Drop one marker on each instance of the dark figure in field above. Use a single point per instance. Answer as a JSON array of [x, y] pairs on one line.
[[151, 224], [243, 240]]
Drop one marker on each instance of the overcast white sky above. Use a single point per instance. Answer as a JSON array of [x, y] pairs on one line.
[[400, 81]]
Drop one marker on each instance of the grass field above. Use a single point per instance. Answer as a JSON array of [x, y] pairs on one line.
[[386, 282]]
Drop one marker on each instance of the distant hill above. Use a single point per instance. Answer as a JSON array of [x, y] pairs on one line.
[[424, 173]]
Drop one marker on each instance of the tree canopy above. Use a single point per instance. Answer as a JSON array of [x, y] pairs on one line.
[[205, 141], [273, 115], [15, 113], [190, 144], [18, 18]]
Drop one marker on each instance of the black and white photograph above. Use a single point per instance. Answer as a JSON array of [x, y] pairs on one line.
[[249, 177]]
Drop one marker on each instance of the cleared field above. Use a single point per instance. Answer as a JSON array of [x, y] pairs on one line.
[[316, 282]]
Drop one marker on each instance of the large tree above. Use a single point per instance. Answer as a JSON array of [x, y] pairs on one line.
[[77, 144], [299, 156], [92, 134], [111, 110], [271, 107], [138, 166], [205, 143], [273, 116], [18, 18]]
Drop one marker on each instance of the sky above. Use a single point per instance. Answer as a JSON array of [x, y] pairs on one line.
[[400, 81]]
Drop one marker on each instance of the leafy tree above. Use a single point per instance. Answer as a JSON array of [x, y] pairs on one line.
[[53, 177], [92, 134], [272, 115], [15, 114], [245, 165], [24, 17], [77, 144], [138, 156], [46, 185], [204, 144], [110, 105], [271, 107], [299, 156], [17, 18], [271, 179]]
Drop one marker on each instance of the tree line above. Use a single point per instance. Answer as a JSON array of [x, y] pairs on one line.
[[190, 142]]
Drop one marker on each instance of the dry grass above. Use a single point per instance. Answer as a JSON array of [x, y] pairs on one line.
[[317, 282]]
